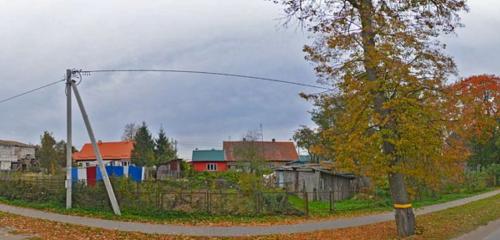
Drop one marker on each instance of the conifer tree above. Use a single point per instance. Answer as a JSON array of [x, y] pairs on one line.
[[143, 152], [164, 148]]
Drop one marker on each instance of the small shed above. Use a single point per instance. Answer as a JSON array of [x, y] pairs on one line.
[[209, 161], [319, 182], [170, 169]]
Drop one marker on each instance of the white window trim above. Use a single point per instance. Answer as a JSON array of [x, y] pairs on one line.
[[211, 167]]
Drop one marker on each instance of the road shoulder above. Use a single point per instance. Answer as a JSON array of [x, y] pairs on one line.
[[487, 232]]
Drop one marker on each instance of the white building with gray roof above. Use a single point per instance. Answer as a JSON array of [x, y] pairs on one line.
[[12, 151]]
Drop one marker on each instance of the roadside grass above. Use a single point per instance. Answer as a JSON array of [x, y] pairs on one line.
[[156, 216], [444, 224], [322, 209], [317, 210], [459, 220]]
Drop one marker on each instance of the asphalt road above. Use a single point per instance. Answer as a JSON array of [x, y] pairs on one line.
[[491, 231], [231, 231]]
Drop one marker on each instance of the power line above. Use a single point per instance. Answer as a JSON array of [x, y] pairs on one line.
[[169, 71], [30, 91], [205, 73]]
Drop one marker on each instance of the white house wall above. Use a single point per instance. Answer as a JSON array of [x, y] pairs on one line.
[[9, 154]]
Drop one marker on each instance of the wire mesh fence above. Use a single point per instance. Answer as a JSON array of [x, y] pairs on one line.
[[164, 197]]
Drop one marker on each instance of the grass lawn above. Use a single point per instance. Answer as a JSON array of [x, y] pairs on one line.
[[317, 210], [444, 224]]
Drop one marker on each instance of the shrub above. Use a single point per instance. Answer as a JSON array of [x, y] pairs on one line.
[[36, 190], [475, 181], [492, 175]]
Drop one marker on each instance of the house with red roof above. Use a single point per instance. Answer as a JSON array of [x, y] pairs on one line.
[[113, 153], [276, 153]]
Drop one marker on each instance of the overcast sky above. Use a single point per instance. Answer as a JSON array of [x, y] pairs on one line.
[[40, 39]]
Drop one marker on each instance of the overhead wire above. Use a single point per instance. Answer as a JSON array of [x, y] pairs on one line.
[[30, 91], [207, 73], [87, 72]]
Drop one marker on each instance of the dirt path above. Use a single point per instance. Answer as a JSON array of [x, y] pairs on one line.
[[231, 231]]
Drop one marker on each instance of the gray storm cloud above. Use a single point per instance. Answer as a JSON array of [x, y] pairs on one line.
[[39, 40]]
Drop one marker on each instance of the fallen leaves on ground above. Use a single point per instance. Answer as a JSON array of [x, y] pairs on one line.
[[439, 225]]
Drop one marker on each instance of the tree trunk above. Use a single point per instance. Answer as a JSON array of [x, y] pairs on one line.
[[405, 218]]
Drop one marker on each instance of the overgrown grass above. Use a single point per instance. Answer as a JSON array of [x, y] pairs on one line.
[[317, 209], [321, 208], [152, 216]]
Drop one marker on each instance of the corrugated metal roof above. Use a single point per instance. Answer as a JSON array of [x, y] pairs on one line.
[[208, 155], [313, 167]]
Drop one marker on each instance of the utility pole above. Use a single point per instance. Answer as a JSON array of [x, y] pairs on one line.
[[105, 178], [69, 144]]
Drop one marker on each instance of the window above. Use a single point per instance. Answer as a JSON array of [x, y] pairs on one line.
[[212, 167]]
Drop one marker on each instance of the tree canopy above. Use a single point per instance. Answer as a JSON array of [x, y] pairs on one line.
[[389, 70], [47, 153], [143, 152], [130, 131], [473, 105], [149, 151], [165, 149]]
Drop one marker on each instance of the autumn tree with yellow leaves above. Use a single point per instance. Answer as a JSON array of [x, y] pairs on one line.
[[389, 69]]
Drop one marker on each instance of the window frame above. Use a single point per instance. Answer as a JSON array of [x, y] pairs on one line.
[[212, 167]]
